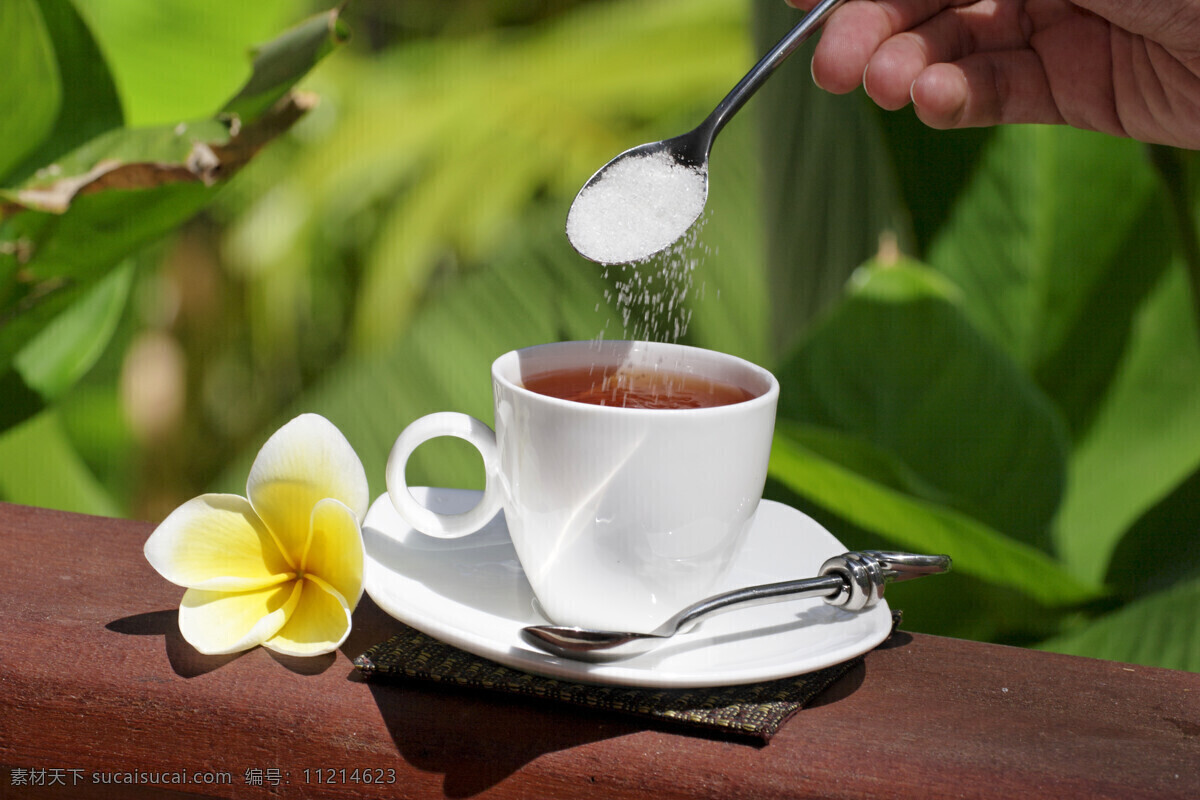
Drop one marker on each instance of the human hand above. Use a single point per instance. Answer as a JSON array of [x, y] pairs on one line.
[[1125, 68]]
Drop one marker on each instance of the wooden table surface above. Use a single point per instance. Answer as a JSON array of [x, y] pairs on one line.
[[96, 685]]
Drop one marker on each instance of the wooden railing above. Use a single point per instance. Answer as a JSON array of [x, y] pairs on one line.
[[98, 692]]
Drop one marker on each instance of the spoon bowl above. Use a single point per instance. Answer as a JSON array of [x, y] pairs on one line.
[[648, 196], [654, 223]]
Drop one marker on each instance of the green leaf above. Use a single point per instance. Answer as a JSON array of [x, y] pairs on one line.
[[1050, 268], [20, 400], [1159, 630], [38, 466], [1162, 547], [897, 365], [90, 105], [933, 169], [1145, 440], [923, 526], [183, 59], [201, 150], [1079, 373], [280, 63], [70, 253], [31, 91], [63, 229], [66, 348], [863, 458], [1178, 171]]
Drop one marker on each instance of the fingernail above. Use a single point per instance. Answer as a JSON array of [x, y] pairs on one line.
[[812, 70], [864, 80]]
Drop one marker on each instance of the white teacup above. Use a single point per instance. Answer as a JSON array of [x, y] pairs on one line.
[[620, 516]]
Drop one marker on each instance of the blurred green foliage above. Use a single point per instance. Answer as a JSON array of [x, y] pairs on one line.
[[986, 340]]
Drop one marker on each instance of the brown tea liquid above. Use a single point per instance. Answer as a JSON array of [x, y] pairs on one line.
[[635, 388]]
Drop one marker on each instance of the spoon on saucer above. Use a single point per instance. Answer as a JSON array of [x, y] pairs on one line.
[[650, 195], [853, 581]]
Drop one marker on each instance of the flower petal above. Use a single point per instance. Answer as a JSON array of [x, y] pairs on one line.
[[305, 461], [216, 623], [335, 550], [319, 624], [216, 542]]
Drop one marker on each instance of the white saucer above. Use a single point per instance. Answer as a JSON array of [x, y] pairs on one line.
[[472, 593]]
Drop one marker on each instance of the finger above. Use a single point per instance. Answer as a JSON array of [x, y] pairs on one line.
[[949, 36], [985, 89], [856, 30], [850, 38], [890, 72]]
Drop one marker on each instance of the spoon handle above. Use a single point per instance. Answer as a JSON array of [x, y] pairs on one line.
[[853, 581], [757, 76], [823, 586]]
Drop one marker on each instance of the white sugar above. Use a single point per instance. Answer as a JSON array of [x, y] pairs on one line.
[[640, 205]]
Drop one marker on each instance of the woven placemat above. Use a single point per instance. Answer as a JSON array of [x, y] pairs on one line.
[[754, 711]]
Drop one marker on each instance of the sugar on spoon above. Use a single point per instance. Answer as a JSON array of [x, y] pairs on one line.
[[852, 581], [646, 198]]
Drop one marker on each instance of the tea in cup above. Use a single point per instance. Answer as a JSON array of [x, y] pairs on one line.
[[628, 473]]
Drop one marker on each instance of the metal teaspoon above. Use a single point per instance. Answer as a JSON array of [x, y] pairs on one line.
[[852, 581], [692, 149]]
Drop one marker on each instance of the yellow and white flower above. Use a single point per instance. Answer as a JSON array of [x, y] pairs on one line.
[[282, 567]]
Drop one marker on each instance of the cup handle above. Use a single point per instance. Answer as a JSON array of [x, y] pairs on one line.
[[444, 423]]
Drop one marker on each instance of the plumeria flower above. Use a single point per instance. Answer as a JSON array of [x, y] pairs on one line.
[[283, 568]]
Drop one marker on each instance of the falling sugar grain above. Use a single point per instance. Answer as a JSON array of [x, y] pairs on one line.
[[652, 296]]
